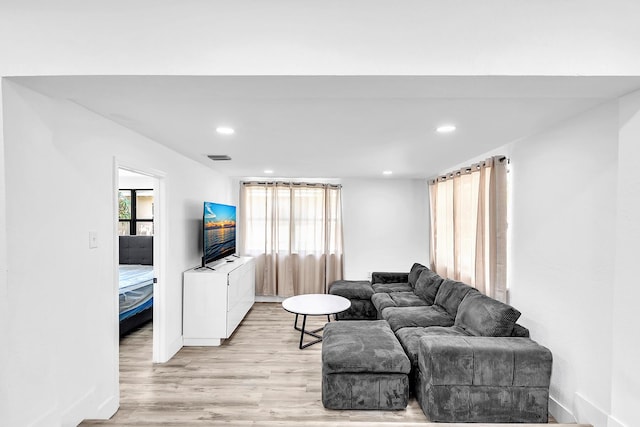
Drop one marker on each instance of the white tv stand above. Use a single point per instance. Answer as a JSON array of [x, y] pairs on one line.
[[216, 301]]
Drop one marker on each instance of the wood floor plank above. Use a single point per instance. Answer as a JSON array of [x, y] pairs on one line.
[[258, 377]]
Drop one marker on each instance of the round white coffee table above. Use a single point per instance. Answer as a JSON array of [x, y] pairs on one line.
[[314, 305]]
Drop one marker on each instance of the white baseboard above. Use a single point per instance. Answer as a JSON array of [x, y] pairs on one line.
[[203, 342], [269, 298], [587, 412], [584, 411], [613, 422], [108, 408], [50, 418], [76, 412], [560, 412], [171, 350]]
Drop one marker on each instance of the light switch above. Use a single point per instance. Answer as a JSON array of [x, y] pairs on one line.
[[93, 239]]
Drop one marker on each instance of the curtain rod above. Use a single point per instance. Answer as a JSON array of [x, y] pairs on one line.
[[295, 184], [468, 169]]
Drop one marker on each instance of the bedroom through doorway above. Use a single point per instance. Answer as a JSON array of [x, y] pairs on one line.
[[137, 238]]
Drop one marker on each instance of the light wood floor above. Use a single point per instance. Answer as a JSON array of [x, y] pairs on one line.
[[258, 377]]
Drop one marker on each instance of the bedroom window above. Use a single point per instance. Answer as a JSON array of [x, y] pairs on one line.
[[135, 208]]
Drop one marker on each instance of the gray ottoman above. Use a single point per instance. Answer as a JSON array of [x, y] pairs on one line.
[[359, 292], [363, 367], [483, 379]]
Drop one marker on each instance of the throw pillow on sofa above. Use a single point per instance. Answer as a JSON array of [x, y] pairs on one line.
[[427, 285], [414, 274], [450, 295], [481, 315]]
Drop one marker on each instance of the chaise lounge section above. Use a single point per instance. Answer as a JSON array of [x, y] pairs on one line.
[[455, 339], [482, 379], [363, 367]]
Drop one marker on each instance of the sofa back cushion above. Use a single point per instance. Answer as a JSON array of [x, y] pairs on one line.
[[520, 331], [450, 295], [427, 285], [481, 315], [416, 269]]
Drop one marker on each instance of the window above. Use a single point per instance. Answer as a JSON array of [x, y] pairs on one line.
[[135, 211], [468, 226], [294, 231]]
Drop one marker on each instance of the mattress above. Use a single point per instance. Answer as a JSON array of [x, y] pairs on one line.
[[134, 276], [135, 289], [133, 302]]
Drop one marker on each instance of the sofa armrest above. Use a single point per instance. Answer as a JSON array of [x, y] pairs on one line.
[[484, 361], [388, 277]]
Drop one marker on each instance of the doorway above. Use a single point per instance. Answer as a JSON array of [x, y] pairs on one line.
[[138, 254]]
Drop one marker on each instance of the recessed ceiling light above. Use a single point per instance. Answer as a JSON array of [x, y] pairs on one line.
[[445, 128], [268, 171], [387, 172], [225, 130]]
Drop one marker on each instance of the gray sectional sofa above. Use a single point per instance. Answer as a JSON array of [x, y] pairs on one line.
[[469, 359]]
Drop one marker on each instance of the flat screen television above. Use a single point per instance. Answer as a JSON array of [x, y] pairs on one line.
[[219, 232]]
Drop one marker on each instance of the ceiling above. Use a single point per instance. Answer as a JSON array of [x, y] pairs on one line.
[[334, 127]]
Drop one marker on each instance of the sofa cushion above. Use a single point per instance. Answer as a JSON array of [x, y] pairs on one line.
[[427, 285], [381, 301], [481, 315], [414, 273], [389, 277], [362, 346], [407, 299], [392, 287], [352, 289], [450, 295], [410, 338], [407, 317]]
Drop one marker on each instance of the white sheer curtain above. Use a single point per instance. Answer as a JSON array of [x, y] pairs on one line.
[[294, 231], [469, 226]]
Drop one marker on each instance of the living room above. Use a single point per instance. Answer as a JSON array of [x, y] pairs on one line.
[[574, 203]]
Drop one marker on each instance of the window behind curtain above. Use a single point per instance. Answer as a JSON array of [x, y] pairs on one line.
[[469, 226], [295, 233]]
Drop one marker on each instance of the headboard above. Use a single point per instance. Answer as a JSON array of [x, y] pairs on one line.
[[136, 250]]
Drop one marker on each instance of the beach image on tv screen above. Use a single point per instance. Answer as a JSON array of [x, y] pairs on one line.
[[219, 231]]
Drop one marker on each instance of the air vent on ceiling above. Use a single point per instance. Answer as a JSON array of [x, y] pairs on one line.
[[218, 157]]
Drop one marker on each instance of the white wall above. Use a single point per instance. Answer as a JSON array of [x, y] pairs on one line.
[[368, 208], [563, 254], [625, 383], [136, 181], [333, 37], [61, 297], [4, 290], [386, 225]]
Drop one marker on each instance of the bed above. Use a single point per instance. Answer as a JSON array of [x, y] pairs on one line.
[[135, 282]]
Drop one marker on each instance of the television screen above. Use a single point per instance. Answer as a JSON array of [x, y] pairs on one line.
[[219, 227]]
